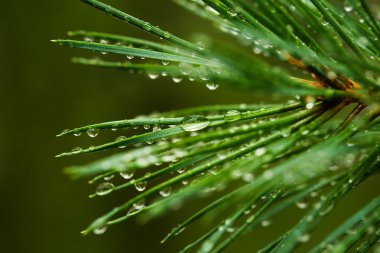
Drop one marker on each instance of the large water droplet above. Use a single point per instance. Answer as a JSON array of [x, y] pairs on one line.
[[104, 188], [195, 123], [93, 132]]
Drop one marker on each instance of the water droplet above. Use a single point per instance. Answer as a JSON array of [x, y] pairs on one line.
[[309, 105], [247, 35], [212, 86], [181, 170], [104, 188], [232, 115], [153, 75], [108, 178], [327, 210], [185, 68], [177, 79], [88, 39], [204, 73], [103, 41], [76, 150], [121, 138], [156, 128], [266, 223], [230, 229], [166, 191], [165, 63], [147, 26], [127, 174], [141, 186], [93, 132], [260, 151], [285, 132], [139, 204], [301, 204], [247, 177], [304, 238], [77, 134], [195, 123], [167, 35], [324, 22], [201, 46], [100, 230]]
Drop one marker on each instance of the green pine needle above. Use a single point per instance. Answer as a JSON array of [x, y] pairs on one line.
[[248, 160]]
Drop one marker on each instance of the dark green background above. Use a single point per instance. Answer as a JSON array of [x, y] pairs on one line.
[[43, 93]]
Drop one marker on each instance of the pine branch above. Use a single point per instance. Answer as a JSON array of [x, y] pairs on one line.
[[248, 160]]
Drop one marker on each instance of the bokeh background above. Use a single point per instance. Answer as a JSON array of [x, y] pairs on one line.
[[42, 92]]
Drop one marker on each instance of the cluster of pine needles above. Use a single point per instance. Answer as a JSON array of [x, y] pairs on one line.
[[249, 161]]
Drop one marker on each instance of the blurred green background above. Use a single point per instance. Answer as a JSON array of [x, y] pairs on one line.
[[43, 93]]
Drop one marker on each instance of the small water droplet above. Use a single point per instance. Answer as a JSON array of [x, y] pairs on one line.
[[232, 115], [108, 178], [153, 75], [181, 170], [177, 79], [121, 138], [104, 188], [327, 210], [324, 22], [127, 174], [76, 150], [147, 26], [167, 35], [156, 128], [260, 151], [212, 86], [309, 105], [304, 238], [185, 68], [100, 230], [204, 73], [88, 39], [166, 191], [266, 223], [301, 204], [201, 46], [141, 186], [93, 132], [77, 134], [139, 204]]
